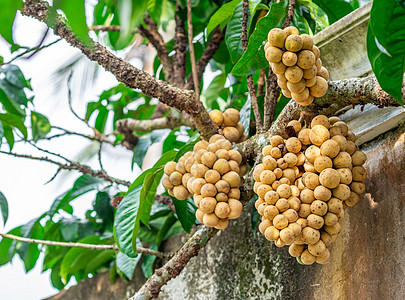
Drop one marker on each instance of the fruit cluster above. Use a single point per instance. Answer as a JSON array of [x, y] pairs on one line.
[[304, 185], [229, 125], [212, 173], [296, 61]]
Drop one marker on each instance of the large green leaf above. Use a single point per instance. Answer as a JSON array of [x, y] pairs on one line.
[[185, 211], [14, 121], [127, 264], [7, 14], [98, 260], [15, 77], [82, 185], [130, 14], [254, 58], [211, 94], [8, 134], [127, 221], [10, 105], [316, 14], [103, 207], [161, 11], [148, 193], [6, 253], [29, 253], [335, 9], [145, 142], [222, 16], [40, 126], [78, 258], [3, 208], [76, 16], [386, 45], [69, 228], [234, 29]]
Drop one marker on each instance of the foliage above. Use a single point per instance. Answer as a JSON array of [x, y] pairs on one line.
[[139, 219]]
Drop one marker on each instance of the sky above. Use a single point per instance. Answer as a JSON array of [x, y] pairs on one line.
[[21, 180]]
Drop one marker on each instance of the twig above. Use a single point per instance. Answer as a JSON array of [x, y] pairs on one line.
[[99, 157], [290, 13], [152, 34], [70, 102], [73, 166], [212, 47], [191, 46], [84, 246], [261, 82], [183, 100], [98, 137], [250, 82], [175, 265], [35, 49], [112, 28], [180, 46]]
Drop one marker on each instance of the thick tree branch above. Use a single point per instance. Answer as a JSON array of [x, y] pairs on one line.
[[81, 245], [175, 265], [180, 46], [191, 47], [340, 94], [250, 82], [72, 166], [212, 47], [132, 77], [152, 34]]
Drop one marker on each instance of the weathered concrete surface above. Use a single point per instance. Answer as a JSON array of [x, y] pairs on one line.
[[367, 259]]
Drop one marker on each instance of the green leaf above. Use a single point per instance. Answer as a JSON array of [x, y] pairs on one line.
[[29, 253], [211, 94], [40, 126], [317, 14], [127, 222], [234, 28], [130, 16], [185, 211], [335, 9], [3, 208], [9, 135], [161, 11], [10, 105], [55, 277], [148, 261], [77, 258], [6, 254], [69, 228], [14, 121], [170, 221], [386, 45], [15, 77], [222, 16], [245, 113], [1, 133], [103, 207], [14, 93], [76, 16], [148, 194], [127, 264], [282, 101], [82, 185], [145, 142], [7, 13], [254, 58], [100, 258]]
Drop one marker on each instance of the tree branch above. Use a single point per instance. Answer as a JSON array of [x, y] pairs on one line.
[[73, 166], [290, 13], [84, 246], [272, 88], [251, 84], [149, 125], [180, 46], [175, 265], [191, 47], [132, 77], [152, 34], [270, 99], [212, 47]]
